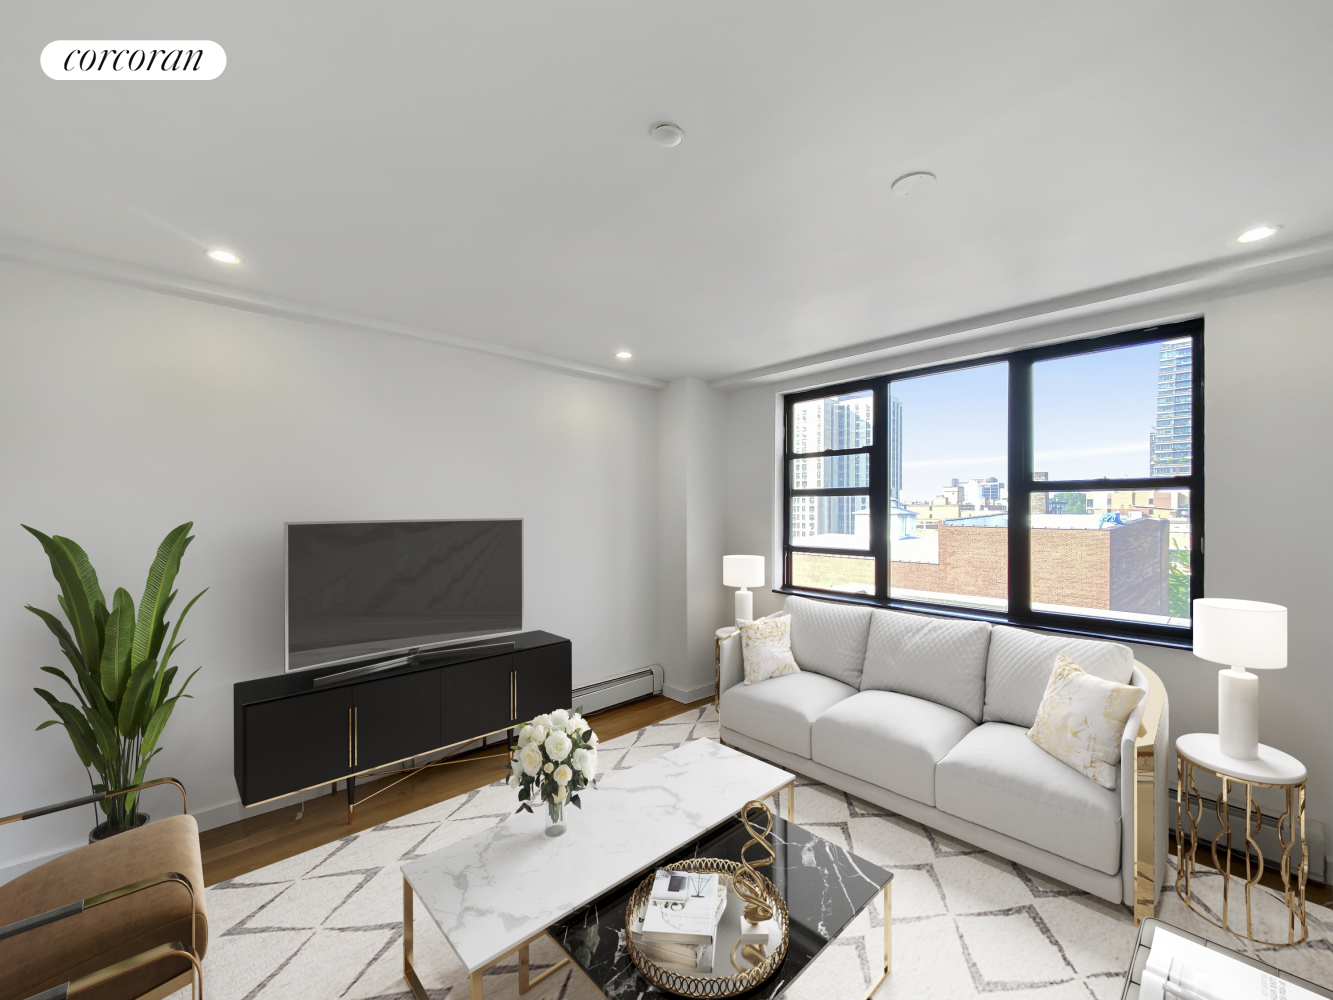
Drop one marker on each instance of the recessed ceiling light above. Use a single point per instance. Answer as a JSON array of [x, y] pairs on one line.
[[224, 256], [1257, 233], [667, 134], [910, 183], [624, 355]]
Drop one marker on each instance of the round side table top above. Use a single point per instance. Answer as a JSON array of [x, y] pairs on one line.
[[1272, 768]]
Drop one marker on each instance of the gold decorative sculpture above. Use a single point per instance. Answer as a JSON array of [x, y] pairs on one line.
[[747, 882]]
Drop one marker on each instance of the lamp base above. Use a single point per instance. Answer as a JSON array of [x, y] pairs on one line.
[[744, 605], [1238, 713]]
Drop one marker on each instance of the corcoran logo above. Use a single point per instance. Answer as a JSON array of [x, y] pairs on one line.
[[118, 60]]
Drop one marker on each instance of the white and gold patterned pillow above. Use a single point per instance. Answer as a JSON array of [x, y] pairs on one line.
[[1082, 718], [766, 647]]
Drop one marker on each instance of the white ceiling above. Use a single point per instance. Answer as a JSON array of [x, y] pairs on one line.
[[484, 170]]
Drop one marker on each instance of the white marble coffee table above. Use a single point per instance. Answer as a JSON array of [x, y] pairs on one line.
[[496, 892]]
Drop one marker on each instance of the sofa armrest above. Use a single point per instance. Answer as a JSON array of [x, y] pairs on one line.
[[1143, 751], [728, 667]]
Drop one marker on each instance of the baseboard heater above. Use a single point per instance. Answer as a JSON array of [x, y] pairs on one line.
[[1209, 827], [618, 690]]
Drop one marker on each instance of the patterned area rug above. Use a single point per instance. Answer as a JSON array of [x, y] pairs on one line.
[[328, 923]]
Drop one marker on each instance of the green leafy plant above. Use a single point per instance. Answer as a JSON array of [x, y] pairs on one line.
[[122, 679]]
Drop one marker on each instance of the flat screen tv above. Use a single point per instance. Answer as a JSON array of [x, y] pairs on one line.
[[361, 591]]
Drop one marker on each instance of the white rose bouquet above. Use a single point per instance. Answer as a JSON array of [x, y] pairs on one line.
[[555, 759]]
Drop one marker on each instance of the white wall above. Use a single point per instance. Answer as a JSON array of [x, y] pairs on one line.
[[1268, 420], [127, 412], [692, 530]]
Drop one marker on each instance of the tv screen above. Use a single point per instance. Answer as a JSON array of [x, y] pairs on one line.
[[361, 590]]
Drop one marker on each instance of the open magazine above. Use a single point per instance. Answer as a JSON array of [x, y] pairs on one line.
[[1178, 969]]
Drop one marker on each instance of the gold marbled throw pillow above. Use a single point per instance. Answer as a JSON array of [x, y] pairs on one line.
[[766, 648], [1082, 718]]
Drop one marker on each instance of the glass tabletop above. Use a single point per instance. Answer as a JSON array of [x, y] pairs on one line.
[[825, 888]]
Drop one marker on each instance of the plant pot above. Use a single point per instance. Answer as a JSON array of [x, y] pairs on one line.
[[103, 830], [555, 819]]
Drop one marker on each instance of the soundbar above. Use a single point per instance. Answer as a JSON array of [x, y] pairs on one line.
[[431, 658]]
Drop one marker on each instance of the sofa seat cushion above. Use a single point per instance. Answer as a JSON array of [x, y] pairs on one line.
[[998, 778], [889, 739], [1019, 664], [940, 659], [829, 638], [780, 710]]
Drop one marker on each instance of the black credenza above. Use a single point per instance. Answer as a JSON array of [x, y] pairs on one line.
[[293, 735]]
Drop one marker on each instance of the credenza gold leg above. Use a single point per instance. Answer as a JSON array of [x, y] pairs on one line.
[[410, 973]]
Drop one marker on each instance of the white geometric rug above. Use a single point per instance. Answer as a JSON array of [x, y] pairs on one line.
[[328, 923]]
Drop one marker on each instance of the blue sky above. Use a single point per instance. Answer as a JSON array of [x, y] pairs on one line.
[[1091, 418]]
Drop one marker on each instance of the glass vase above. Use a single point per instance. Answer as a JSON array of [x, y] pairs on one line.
[[555, 819]]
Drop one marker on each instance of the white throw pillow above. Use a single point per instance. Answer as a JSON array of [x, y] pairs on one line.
[[1082, 718], [766, 647]]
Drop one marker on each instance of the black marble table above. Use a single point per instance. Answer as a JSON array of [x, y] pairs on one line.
[[825, 888]]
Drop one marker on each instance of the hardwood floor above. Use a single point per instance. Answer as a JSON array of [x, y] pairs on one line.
[[264, 839]]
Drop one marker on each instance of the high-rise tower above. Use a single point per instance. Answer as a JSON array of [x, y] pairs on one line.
[[1171, 441], [895, 447]]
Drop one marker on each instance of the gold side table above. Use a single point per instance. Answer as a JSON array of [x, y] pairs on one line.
[[1273, 769]]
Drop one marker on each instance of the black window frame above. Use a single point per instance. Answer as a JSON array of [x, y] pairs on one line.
[[1020, 485]]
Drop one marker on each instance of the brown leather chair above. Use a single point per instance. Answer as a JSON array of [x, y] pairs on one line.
[[123, 918]]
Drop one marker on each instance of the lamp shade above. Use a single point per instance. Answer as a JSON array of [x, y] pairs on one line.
[[1241, 633], [742, 571]]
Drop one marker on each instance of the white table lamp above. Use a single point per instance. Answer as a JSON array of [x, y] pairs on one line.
[[1244, 634], [743, 572]]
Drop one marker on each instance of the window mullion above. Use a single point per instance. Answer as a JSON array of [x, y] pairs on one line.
[[879, 490], [1020, 477]]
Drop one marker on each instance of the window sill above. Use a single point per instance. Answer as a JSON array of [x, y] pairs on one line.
[[1149, 635]]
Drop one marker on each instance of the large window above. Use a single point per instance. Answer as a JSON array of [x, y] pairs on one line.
[[1058, 487]]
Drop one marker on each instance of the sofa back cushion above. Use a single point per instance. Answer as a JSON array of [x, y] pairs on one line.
[[939, 659], [1019, 665], [829, 639]]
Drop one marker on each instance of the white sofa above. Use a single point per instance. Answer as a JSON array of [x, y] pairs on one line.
[[927, 717]]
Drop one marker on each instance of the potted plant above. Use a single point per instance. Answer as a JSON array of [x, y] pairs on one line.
[[122, 678], [555, 759]]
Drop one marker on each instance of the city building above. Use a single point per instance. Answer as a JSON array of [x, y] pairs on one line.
[[1038, 500], [989, 492], [829, 425], [1080, 563], [895, 447], [1172, 439]]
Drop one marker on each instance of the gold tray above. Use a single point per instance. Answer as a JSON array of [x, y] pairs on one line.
[[706, 986]]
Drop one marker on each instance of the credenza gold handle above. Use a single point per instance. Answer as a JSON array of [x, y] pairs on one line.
[[356, 735], [349, 737], [513, 695]]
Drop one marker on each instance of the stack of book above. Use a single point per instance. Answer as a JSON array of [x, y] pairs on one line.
[[677, 928]]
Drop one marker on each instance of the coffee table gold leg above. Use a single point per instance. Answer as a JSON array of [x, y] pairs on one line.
[[791, 801], [476, 986], [525, 983], [410, 973], [888, 942]]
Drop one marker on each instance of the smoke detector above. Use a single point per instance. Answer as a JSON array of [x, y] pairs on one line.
[[913, 182], [667, 134]]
